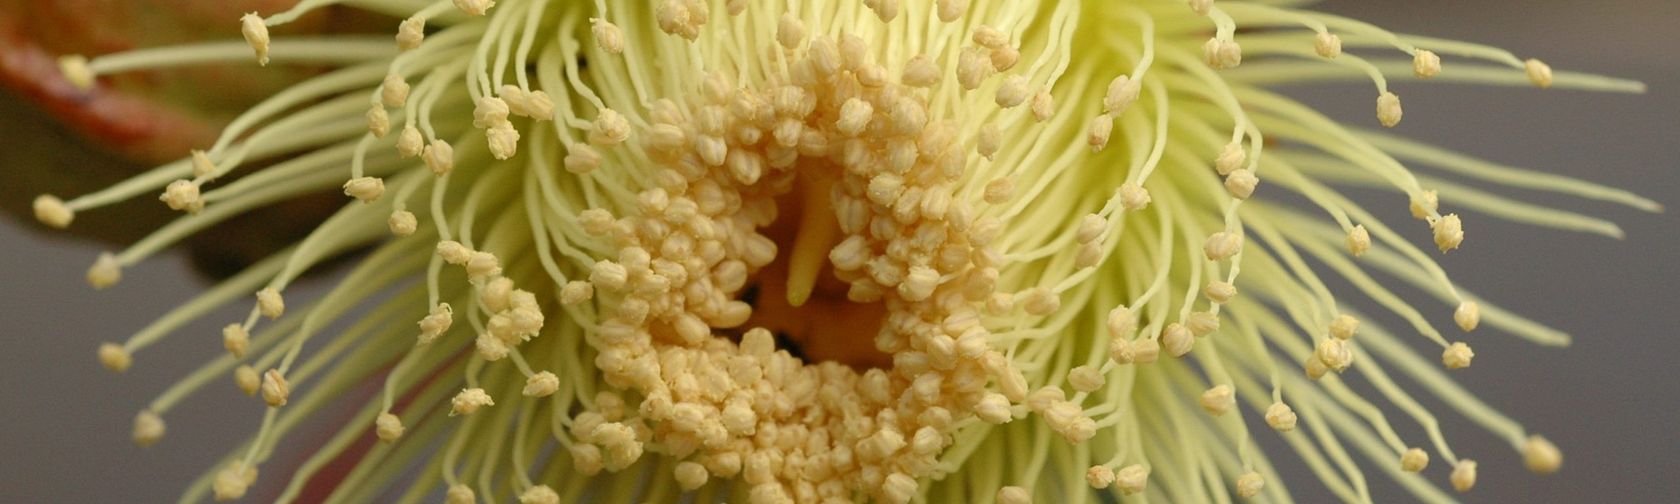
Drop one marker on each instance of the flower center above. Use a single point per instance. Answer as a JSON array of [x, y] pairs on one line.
[[799, 298]]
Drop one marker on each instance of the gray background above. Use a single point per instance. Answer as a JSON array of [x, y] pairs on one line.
[[1609, 401]]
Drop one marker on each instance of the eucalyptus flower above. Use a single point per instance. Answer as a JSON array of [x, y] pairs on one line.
[[842, 251]]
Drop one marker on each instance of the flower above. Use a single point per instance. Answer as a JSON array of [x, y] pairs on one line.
[[839, 250]]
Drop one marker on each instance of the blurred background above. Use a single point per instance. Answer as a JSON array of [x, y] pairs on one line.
[[1611, 401]]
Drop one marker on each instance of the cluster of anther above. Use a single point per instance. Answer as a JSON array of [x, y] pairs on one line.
[[515, 315], [794, 430]]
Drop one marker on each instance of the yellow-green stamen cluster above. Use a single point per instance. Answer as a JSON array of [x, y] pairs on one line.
[[576, 211]]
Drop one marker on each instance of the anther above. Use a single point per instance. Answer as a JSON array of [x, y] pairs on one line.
[[247, 379], [1468, 315], [469, 401], [1249, 485], [1457, 356], [1539, 73], [610, 128], [1388, 109], [1222, 245], [1230, 158], [114, 357], [989, 37], [275, 390], [1414, 460], [1541, 456], [105, 272], [52, 211], [1098, 131], [1240, 183], [270, 304], [1012, 92], [410, 143], [542, 384], [1177, 339], [1133, 197], [148, 428], [1358, 240], [1343, 327], [393, 92], [474, 7], [607, 35], [183, 195], [403, 223], [1222, 54], [1220, 292], [75, 69], [1328, 45], [1122, 92], [460, 494], [1426, 64], [1281, 417], [1218, 400], [1464, 475], [201, 165], [388, 427], [1132, 479], [232, 481], [1425, 204], [1334, 354], [236, 340], [439, 157], [411, 33], [366, 189], [1449, 232], [540, 494], [256, 34], [1013, 494]]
